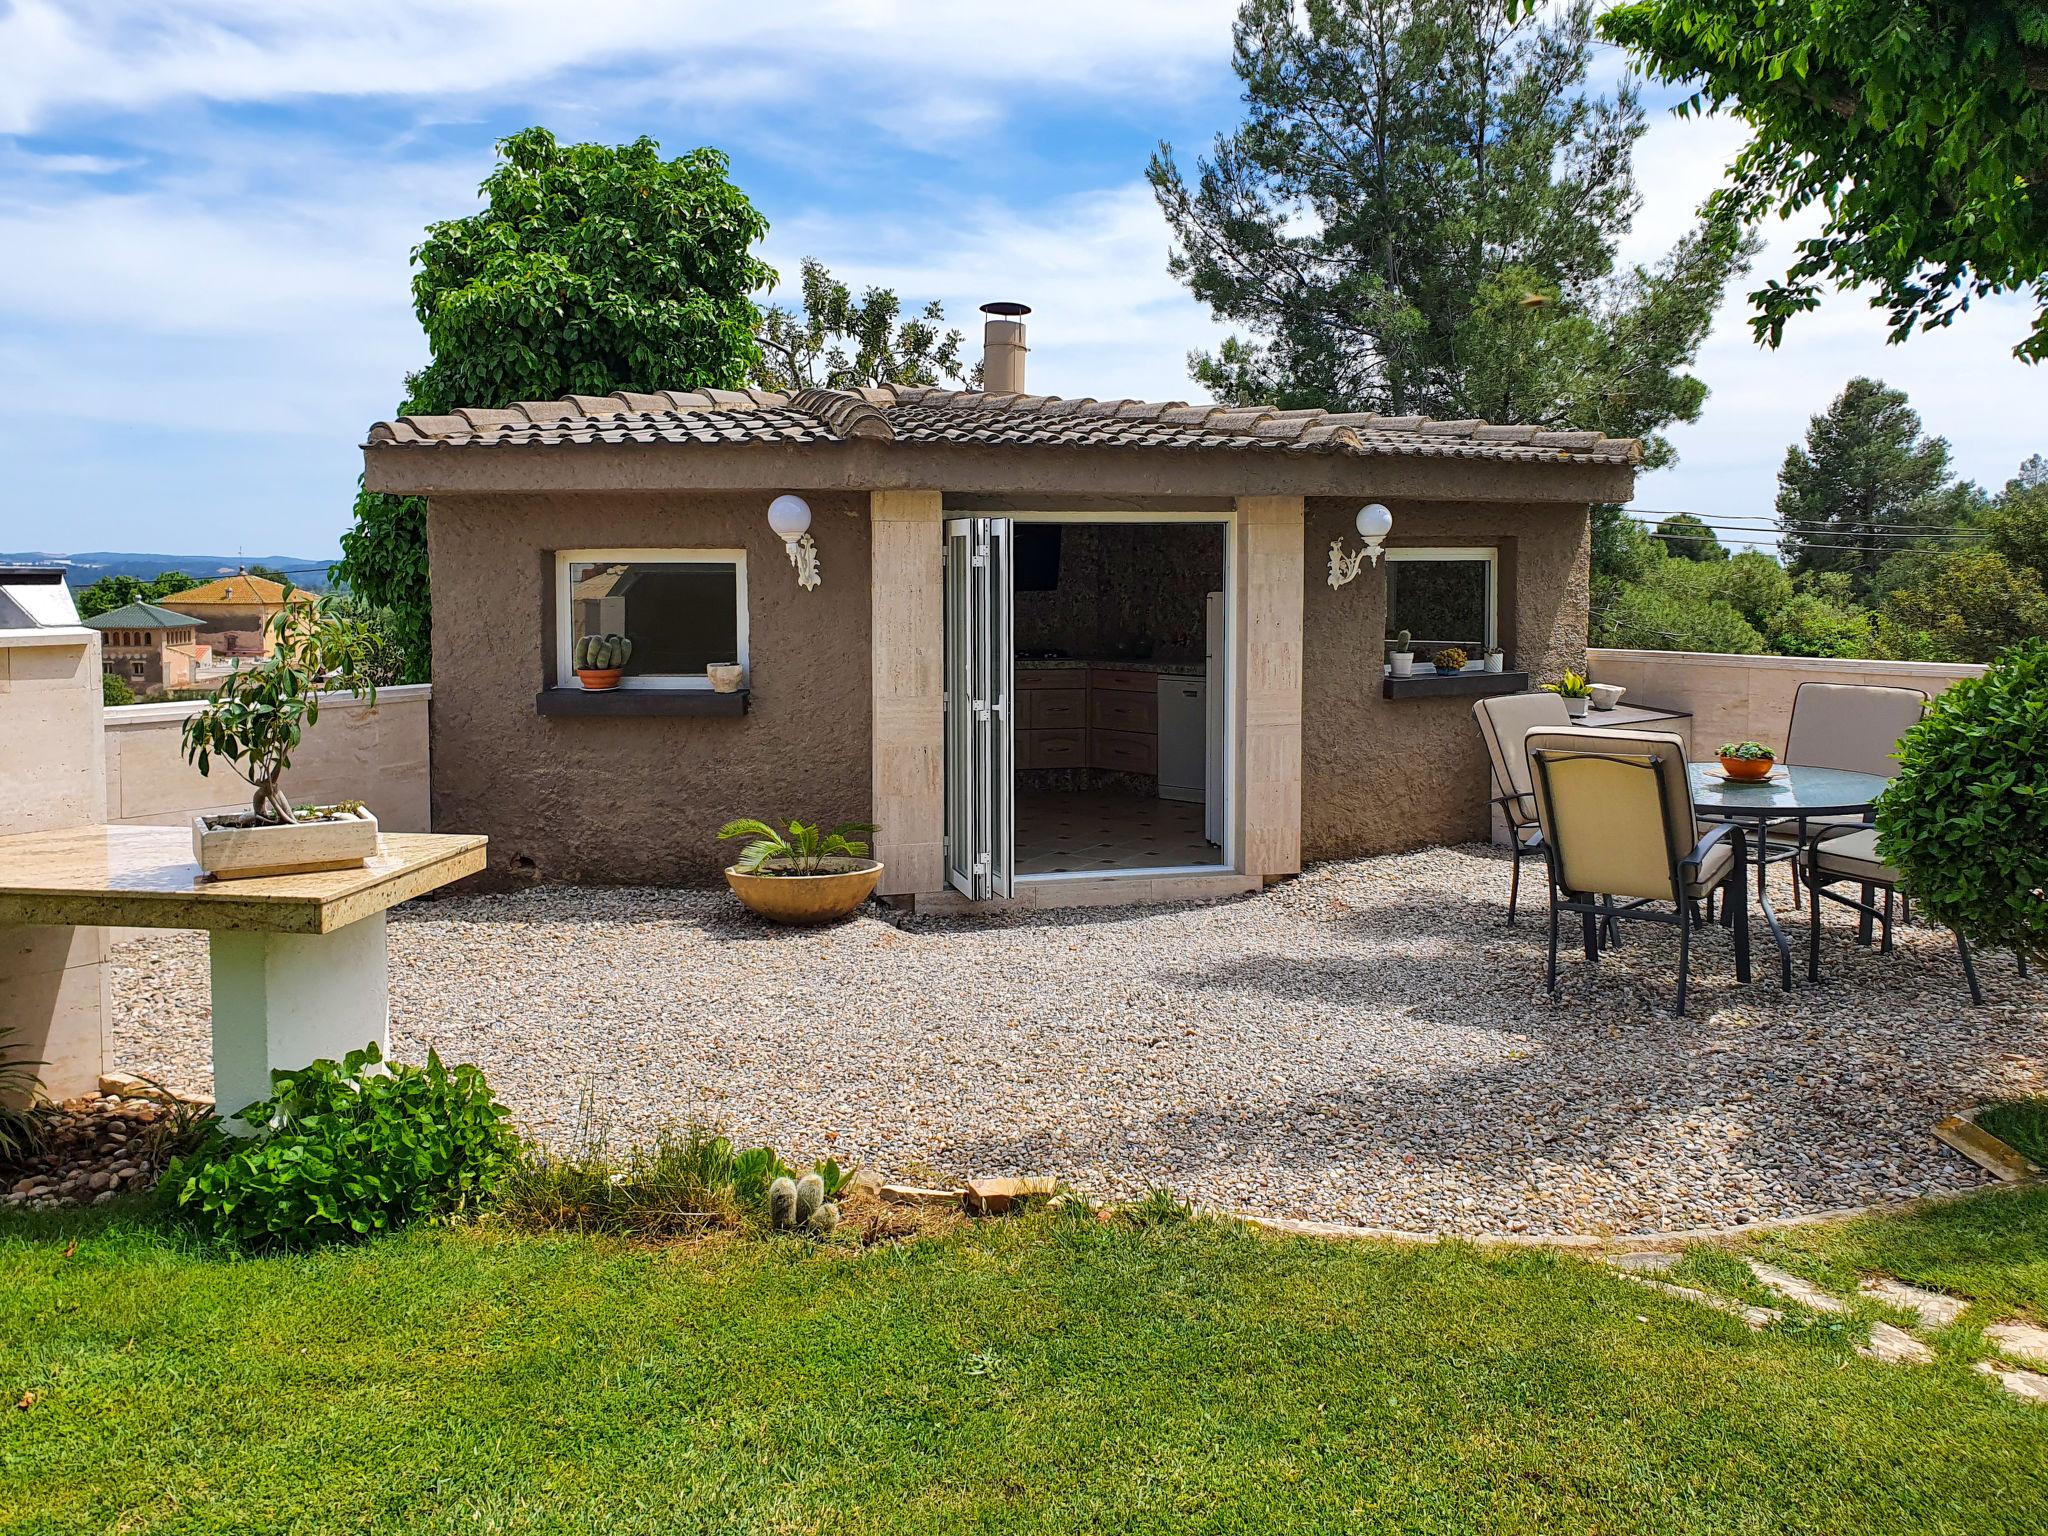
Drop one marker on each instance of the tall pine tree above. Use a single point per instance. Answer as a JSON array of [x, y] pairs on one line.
[[1420, 214]]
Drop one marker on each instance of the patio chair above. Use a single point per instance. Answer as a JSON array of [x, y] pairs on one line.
[[1852, 726], [1615, 809], [1503, 722], [1840, 854]]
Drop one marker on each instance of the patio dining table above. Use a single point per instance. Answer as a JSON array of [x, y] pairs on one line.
[[1791, 794]]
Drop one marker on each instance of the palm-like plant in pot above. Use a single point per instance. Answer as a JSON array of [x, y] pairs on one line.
[[255, 720], [807, 875]]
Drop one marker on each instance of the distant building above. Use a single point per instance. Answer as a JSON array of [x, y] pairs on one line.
[[234, 613], [150, 648]]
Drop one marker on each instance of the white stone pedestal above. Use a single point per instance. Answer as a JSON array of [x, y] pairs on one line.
[[284, 1000], [53, 1000]]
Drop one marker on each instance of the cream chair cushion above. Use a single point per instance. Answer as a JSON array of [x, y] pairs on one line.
[[1850, 726], [1598, 803], [1503, 721], [1854, 855]]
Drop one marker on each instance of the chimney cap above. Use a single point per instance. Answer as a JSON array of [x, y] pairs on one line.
[[1006, 307]]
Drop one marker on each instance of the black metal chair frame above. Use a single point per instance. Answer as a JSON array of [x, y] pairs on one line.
[[1597, 911], [1529, 849], [1867, 912]]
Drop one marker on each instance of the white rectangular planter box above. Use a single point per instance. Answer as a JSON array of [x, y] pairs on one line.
[[293, 848]]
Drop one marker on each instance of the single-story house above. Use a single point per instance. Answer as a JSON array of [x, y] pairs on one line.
[[1057, 649], [150, 648], [235, 611]]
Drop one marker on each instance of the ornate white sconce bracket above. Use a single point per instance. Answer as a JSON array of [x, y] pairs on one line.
[[1375, 522]]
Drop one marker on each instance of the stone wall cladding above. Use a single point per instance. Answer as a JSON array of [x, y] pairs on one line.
[[1379, 774], [638, 801]]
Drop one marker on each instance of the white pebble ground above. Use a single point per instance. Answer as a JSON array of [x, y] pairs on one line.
[[1368, 1044]]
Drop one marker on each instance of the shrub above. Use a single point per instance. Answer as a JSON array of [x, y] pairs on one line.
[[114, 691], [1966, 820], [345, 1149]]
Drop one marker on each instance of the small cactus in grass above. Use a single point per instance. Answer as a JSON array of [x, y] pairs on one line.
[[601, 653], [799, 1205]]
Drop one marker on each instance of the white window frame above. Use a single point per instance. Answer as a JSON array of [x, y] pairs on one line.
[[1481, 552], [565, 618]]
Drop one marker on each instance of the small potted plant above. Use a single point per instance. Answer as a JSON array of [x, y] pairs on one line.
[[1746, 760], [807, 876], [1575, 692], [601, 659], [1449, 660], [1402, 658], [1494, 660], [253, 722]]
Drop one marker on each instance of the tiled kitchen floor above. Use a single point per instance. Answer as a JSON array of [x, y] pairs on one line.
[[1090, 831]]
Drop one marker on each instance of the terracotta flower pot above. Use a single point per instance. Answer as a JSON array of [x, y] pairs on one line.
[[597, 680], [804, 900], [1748, 767]]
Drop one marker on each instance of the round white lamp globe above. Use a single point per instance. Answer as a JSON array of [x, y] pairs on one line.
[[1375, 522], [790, 517]]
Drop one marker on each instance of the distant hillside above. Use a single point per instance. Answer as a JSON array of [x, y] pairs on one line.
[[88, 566]]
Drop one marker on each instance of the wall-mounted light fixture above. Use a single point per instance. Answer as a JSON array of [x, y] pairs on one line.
[[790, 517], [1375, 522]]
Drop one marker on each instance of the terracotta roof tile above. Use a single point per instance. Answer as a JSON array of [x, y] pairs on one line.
[[917, 414]]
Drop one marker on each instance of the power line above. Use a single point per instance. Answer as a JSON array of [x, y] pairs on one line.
[[1773, 520], [1890, 548]]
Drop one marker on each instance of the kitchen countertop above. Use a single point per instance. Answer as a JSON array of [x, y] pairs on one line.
[[1120, 664]]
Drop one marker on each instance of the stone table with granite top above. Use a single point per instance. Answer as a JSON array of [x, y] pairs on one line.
[[298, 961]]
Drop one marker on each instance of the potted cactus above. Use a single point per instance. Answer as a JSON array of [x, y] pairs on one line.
[[1402, 658], [600, 659], [810, 875], [1448, 660]]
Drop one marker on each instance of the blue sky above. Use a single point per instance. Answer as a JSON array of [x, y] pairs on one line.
[[207, 208]]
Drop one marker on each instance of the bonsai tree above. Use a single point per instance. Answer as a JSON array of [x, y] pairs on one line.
[[254, 719], [1966, 821]]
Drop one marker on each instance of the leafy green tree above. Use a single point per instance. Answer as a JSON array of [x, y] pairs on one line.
[[114, 691], [839, 342], [2016, 524], [111, 592], [1866, 483], [1420, 214], [1920, 132], [1686, 537], [1822, 618], [1963, 606], [591, 268]]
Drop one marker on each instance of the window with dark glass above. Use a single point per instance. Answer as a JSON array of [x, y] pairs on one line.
[[683, 610]]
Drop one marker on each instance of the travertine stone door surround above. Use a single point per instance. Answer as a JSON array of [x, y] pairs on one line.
[[908, 682]]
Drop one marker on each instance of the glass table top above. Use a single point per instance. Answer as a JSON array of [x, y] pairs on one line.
[[1790, 791]]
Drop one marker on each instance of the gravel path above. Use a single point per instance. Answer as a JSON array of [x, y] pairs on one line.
[[1367, 1044]]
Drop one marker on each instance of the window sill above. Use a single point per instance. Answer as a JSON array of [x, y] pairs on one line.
[[1458, 685], [621, 703]]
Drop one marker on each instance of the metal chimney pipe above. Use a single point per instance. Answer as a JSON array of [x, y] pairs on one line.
[[1003, 349]]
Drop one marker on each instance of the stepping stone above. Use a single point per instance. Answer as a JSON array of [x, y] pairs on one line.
[[1758, 1318], [1932, 1308], [1783, 1282], [2030, 1385], [1645, 1261], [2023, 1341], [1894, 1346]]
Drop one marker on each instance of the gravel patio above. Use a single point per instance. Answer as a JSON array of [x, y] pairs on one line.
[[1367, 1044]]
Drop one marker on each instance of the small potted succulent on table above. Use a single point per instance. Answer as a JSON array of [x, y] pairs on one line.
[[1749, 761], [1494, 659], [1450, 659], [253, 722], [807, 876], [601, 659], [1402, 658], [1575, 692]]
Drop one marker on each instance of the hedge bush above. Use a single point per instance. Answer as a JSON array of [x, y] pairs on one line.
[[1966, 821], [345, 1149]]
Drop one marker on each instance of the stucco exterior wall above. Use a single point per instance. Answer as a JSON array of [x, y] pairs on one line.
[[1381, 774], [1749, 698], [377, 755], [638, 800]]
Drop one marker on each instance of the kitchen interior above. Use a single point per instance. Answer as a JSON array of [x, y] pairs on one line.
[[1119, 696]]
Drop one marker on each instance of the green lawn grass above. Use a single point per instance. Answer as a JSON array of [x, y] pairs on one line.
[[2021, 1124], [1047, 1374]]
